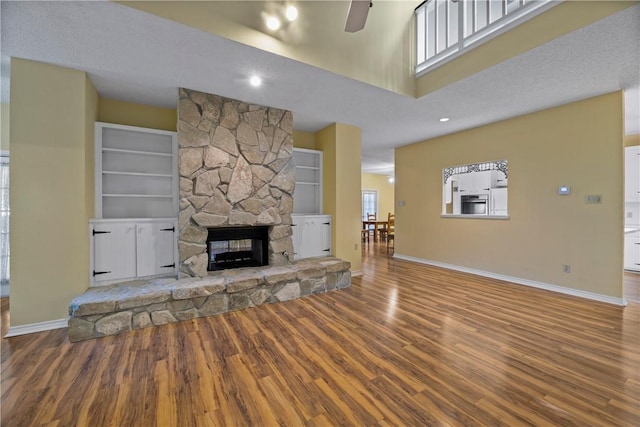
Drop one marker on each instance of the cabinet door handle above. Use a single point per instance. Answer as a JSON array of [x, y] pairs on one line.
[[487, 189], [636, 243], [172, 229], [96, 273], [326, 250], [326, 223], [294, 225], [94, 232], [169, 265]]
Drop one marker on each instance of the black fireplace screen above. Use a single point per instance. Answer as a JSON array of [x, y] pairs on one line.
[[235, 247]]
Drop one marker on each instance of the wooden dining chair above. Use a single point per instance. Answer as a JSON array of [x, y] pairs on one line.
[[391, 227], [371, 228], [384, 231]]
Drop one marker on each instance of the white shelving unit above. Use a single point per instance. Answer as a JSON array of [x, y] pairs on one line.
[[136, 172], [307, 197], [134, 233]]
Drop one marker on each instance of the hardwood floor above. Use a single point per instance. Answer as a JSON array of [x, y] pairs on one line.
[[407, 344]]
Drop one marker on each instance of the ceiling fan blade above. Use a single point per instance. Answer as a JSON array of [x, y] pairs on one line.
[[357, 15]]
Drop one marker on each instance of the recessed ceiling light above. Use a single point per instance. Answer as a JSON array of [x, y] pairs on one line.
[[273, 23], [255, 81], [291, 13], [391, 179], [444, 119]]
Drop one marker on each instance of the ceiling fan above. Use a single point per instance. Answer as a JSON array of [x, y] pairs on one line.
[[357, 15]]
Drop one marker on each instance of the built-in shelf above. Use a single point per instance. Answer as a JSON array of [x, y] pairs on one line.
[[136, 172], [146, 153], [160, 175], [161, 196], [307, 197]]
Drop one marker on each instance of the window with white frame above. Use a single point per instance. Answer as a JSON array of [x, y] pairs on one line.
[[369, 203], [4, 219]]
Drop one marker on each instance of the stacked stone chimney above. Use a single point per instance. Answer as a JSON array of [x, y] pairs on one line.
[[236, 169]]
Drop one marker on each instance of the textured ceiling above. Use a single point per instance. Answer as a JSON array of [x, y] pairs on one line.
[[134, 56]]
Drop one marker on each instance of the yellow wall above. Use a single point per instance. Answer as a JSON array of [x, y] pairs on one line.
[[304, 140], [49, 231], [341, 144], [385, 190], [577, 144], [132, 114], [562, 19], [631, 140], [4, 127], [380, 55]]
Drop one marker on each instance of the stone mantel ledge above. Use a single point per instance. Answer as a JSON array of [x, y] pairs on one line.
[[122, 307]]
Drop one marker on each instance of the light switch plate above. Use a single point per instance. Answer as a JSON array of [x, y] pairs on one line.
[[592, 198]]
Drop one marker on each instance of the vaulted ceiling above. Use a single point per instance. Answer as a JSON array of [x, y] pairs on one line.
[[313, 68]]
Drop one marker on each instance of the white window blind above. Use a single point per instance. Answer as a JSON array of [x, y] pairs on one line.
[[4, 219]]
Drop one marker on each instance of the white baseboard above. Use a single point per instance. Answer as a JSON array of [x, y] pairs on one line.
[[31, 328], [356, 273], [534, 284]]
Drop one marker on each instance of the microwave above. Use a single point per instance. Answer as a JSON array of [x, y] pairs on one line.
[[475, 204]]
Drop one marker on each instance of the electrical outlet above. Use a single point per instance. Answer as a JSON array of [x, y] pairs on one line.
[[355, 246], [630, 214], [566, 268]]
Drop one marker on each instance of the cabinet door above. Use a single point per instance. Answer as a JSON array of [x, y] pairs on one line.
[[324, 236], [311, 236], [499, 201], [632, 174], [632, 253], [296, 226], [114, 251], [155, 248], [481, 181], [498, 179]]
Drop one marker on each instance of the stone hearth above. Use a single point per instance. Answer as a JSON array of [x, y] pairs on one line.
[[236, 169], [115, 309]]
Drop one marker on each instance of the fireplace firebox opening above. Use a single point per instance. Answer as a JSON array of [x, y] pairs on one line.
[[236, 247]]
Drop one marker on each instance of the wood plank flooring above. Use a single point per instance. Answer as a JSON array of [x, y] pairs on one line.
[[407, 344]]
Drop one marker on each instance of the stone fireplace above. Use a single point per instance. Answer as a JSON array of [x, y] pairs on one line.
[[236, 170]]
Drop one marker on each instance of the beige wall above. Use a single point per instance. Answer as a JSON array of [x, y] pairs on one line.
[[4, 127], [49, 231], [132, 114], [384, 48], [385, 190], [631, 140], [304, 139], [578, 144], [341, 144]]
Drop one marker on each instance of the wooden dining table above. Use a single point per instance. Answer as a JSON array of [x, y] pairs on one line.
[[376, 225]]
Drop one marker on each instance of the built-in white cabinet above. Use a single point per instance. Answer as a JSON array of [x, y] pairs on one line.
[[498, 179], [307, 196], [475, 183], [498, 202], [129, 249], [632, 251], [632, 174], [311, 236], [136, 172]]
